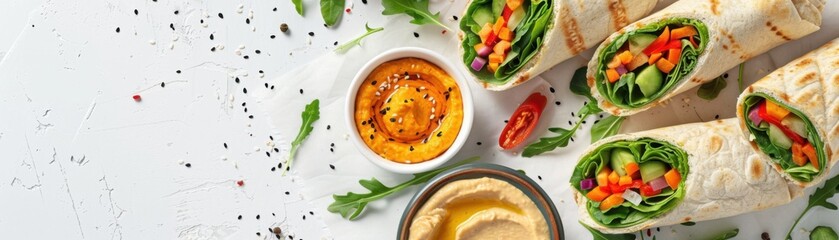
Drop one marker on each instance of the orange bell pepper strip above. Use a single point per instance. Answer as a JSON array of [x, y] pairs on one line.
[[776, 111], [625, 57], [611, 201], [631, 168], [625, 181], [798, 157], [496, 58], [502, 47], [673, 178], [598, 194], [614, 178], [654, 58], [658, 42], [673, 55], [505, 34], [513, 4], [810, 151], [603, 177], [683, 32], [498, 25], [615, 63], [612, 75], [664, 65], [763, 113]]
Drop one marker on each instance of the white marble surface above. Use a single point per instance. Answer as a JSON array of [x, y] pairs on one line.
[[82, 160]]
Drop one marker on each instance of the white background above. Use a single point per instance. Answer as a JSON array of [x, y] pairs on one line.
[[80, 159]]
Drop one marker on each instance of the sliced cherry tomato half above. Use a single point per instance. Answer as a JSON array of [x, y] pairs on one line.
[[523, 121]]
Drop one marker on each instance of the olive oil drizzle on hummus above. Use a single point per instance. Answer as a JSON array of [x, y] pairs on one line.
[[463, 209], [407, 108]]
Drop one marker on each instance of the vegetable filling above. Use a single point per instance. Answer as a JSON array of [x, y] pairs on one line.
[[502, 35], [629, 182], [640, 66], [786, 135]]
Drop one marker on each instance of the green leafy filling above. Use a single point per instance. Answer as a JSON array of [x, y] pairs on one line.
[[625, 93], [780, 155], [627, 214], [530, 34]]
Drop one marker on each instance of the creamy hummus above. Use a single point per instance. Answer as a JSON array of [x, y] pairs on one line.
[[484, 208], [408, 110]]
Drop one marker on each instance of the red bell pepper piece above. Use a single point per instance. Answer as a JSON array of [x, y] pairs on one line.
[[761, 111], [506, 13], [658, 42], [637, 183], [675, 44], [615, 188], [648, 191], [491, 40]]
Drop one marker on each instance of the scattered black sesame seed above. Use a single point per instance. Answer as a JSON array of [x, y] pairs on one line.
[[326, 26], [276, 150], [178, 71], [584, 121], [246, 109], [569, 123], [312, 34], [117, 29], [172, 26], [416, 35], [162, 84], [247, 20], [557, 103], [301, 91], [552, 90], [479, 143], [717, 116], [331, 150], [327, 128], [725, 75], [272, 36], [257, 217], [220, 15], [304, 217], [251, 116], [266, 85], [212, 37], [176, 12], [246, 57], [572, 139], [272, 87], [268, 153], [237, 80], [136, 12], [258, 234], [335, 43], [332, 144], [245, 90], [311, 213], [212, 49], [287, 193], [572, 114], [240, 217], [364, 1], [188, 165], [225, 145], [539, 176], [258, 52], [506, 121], [454, 17]]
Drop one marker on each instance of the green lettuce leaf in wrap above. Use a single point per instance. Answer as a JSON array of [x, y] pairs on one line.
[[651, 181], [526, 24], [786, 135], [642, 65]]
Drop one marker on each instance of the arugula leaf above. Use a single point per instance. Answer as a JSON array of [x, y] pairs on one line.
[[357, 41], [606, 127], [579, 85], [547, 144], [727, 235], [331, 10], [597, 235], [352, 204], [418, 9], [688, 223], [298, 6], [819, 198], [310, 114], [740, 76], [823, 233], [712, 89]]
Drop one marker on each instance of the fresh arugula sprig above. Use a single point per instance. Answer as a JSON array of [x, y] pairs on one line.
[[357, 41], [352, 204], [331, 11], [819, 198], [417, 9], [310, 114], [298, 6], [823, 233], [597, 235], [740, 76], [604, 128]]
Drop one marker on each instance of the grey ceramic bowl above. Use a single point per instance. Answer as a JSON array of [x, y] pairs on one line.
[[479, 170]]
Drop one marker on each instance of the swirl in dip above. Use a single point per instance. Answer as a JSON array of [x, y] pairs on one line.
[[408, 110], [483, 208]]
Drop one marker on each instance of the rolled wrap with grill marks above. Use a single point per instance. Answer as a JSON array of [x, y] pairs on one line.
[[791, 116], [539, 34], [719, 176], [690, 43]]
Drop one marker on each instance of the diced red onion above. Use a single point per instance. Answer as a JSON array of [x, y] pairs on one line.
[[754, 116], [478, 63], [587, 184], [632, 196], [484, 51], [621, 70], [658, 184]]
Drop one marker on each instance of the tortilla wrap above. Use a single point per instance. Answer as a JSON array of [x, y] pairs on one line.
[[575, 26], [809, 84], [738, 30], [726, 177]]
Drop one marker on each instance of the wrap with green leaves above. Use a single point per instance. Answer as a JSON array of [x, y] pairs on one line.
[[552, 31], [730, 33], [720, 177], [809, 88]]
